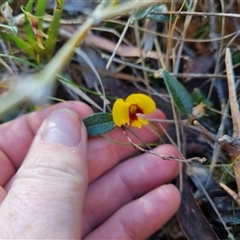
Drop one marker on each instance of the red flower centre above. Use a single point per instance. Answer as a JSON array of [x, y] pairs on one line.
[[133, 110]]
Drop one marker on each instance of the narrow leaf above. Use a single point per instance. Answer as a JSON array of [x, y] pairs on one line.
[[40, 11], [20, 43], [178, 93], [154, 12], [142, 13], [160, 17], [99, 123], [27, 26], [52, 33]]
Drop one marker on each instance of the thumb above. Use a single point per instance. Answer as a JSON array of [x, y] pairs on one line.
[[46, 198]]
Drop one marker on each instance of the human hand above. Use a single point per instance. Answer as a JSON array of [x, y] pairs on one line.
[[71, 187]]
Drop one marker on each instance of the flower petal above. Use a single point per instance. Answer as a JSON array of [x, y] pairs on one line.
[[136, 123], [139, 122], [143, 120], [120, 112], [143, 101]]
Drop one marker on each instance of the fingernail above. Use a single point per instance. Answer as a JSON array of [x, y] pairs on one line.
[[62, 127]]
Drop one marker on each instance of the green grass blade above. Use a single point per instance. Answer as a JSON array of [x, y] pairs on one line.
[[20, 60], [40, 12], [27, 26], [52, 33], [20, 43]]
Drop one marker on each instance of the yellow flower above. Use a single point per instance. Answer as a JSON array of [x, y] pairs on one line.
[[127, 112]]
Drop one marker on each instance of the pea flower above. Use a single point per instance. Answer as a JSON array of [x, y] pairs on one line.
[[128, 111]]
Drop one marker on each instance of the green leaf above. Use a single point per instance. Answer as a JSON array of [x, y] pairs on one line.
[[153, 12], [142, 13], [27, 26], [20, 43], [178, 93], [40, 11], [53, 30], [99, 123]]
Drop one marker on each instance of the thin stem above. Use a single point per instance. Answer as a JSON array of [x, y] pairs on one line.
[[232, 94]]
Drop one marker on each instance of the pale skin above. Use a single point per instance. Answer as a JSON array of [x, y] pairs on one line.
[[56, 183]]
